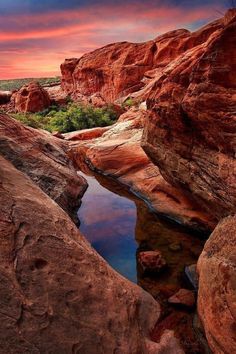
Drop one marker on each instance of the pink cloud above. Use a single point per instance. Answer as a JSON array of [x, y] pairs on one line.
[[57, 35]]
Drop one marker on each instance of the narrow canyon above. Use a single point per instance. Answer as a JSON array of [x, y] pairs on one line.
[[122, 238]]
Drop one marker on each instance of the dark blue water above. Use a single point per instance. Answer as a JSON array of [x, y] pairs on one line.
[[108, 222]]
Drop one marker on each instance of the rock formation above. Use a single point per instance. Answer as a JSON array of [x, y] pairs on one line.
[[119, 69], [43, 158], [217, 287], [191, 128], [187, 81], [118, 153], [31, 98], [57, 294]]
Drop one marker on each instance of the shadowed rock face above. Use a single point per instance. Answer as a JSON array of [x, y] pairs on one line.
[[191, 129], [31, 98], [57, 294], [43, 158], [217, 287]]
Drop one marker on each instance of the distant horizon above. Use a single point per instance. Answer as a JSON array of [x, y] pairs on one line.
[[36, 38]]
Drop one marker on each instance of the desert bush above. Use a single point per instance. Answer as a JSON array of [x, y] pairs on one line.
[[70, 118]]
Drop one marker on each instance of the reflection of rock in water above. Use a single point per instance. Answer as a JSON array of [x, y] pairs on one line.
[[178, 247]]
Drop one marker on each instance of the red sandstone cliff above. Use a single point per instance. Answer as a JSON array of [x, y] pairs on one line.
[[189, 83]]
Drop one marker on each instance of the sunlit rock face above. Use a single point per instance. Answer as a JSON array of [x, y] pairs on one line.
[[44, 159], [31, 98], [118, 153], [57, 294], [120, 69], [190, 130], [217, 287]]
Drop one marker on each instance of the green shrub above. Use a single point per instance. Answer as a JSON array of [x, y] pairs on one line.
[[70, 118], [128, 103]]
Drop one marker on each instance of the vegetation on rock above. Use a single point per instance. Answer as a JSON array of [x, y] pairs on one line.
[[66, 119]]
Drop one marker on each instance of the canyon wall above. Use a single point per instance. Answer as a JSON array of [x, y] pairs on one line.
[[119, 69], [57, 294], [188, 83], [190, 130]]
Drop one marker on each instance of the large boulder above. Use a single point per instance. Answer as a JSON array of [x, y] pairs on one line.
[[191, 128], [44, 159], [57, 295], [32, 98], [217, 287]]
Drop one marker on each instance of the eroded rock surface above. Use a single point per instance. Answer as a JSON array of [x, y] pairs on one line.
[[57, 294], [44, 159], [31, 98], [190, 133], [217, 287], [119, 69], [118, 153]]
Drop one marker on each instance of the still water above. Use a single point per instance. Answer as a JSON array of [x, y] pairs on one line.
[[108, 221], [118, 225]]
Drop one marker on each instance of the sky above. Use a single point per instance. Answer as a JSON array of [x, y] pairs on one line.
[[37, 35]]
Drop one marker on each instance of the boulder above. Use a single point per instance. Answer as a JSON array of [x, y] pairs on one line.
[[151, 261], [217, 287], [190, 130], [32, 98], [44, 159], [57, 295], [183, 297]]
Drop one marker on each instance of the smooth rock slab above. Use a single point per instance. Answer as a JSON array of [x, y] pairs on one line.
[[57, 295]]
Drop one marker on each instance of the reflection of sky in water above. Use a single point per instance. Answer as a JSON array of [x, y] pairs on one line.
[[108, 222]]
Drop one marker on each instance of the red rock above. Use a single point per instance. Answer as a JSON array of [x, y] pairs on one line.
[[151, 261], [57, 95], [118, 69], [57, 294], [190, 132], [183, 297], [86, 134], [217, 287], [117, 152], [32, 98], [57, 134], [44, 159]]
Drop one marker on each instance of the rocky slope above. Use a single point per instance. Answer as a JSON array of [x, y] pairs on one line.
[[44, 159], [31, 98], [119, 69], [217, 292], [187, 81], [53, 297], [116, 151], [190, 130]]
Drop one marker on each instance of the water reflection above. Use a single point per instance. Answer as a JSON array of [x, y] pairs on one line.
[[112, 219], [108, 222]]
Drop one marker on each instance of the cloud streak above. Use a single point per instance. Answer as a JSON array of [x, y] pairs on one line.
[[35, 43]]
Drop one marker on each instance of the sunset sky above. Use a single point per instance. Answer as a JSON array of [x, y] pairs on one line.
[[36, 36]]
